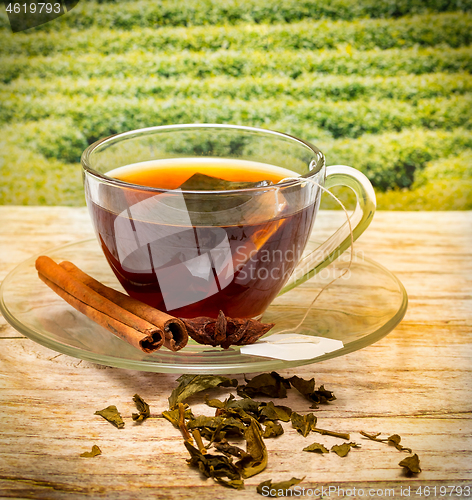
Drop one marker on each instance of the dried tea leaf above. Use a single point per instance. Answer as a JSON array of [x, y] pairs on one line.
[[228, 425], [273, 490], [213, 436], [237, 413], [325, 432], [265, 384], [272, 412], [303, 423], [246, 404], [272, 429], [198, 441], [90, 454], [229, 449], [218, 467], [215, 403], [111, 414], [143, 408], [240, 406], [307, 388], [394, 440], [225, 331], [411, 464], [191, 384], [237, 484], [324, 395], [173, 416], [203, 182], [183, 424], [256, 459], [373, 437], [316, 448], [343, 449]]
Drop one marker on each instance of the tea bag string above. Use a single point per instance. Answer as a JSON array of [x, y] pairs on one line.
[[345, 271]]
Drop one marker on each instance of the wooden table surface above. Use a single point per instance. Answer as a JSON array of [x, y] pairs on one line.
[[415, 382]]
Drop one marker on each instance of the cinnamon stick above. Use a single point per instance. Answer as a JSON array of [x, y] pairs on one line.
[[175, 332], [122, 323]]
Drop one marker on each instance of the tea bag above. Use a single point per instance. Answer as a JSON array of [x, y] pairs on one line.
[[245, 209], [203, 182], [287, 344], [292, 347], [223, 205]]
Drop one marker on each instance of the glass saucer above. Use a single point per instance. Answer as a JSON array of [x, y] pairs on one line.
[[359, 308]]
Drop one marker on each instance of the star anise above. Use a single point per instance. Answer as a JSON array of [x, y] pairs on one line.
[[225, 331]]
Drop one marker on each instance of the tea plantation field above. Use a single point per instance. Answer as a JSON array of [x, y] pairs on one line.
[[382, 85]]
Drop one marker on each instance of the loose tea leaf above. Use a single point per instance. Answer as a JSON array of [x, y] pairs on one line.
[[218, 467], [342, 435], [411, 464], [256, 459], [265, 384], [225, 331], [272, 429], [228, 425], [143, 408], [204, 182], [273, 490], [191, 384], [343, 449], [394, 440], [215, 403], [307, 388], [324, 395], [229, 449], [173, 416], [316, 448], [247, 404], [111, 414], [90, 454], [303, 423], [198, 440], [183, 424], [373, 437], [244, 408], [237, 413], [272, 412]]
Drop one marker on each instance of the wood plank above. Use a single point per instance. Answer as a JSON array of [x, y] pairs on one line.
[[415, 382]]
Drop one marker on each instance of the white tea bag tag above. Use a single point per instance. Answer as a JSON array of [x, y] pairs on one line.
[[291, 346]]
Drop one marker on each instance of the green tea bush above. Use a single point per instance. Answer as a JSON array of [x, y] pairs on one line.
[[394, 160], [452, 29], [392, 62], [457, 167], [439, 195], [381, 85], [142, 13], [410, 88], [28, 178], [52, 138], [451, 194], [97, 118]]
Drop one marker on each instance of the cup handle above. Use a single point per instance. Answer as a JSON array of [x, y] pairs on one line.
[[335, 245]]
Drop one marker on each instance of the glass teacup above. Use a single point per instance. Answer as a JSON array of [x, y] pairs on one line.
[[193, 252]]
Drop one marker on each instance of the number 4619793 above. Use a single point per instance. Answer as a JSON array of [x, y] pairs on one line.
[[34, 8]]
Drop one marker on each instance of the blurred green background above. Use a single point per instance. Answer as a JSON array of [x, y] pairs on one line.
[[382, 85]]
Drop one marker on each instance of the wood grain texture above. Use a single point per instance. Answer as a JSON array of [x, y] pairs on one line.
[[415, 382]]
